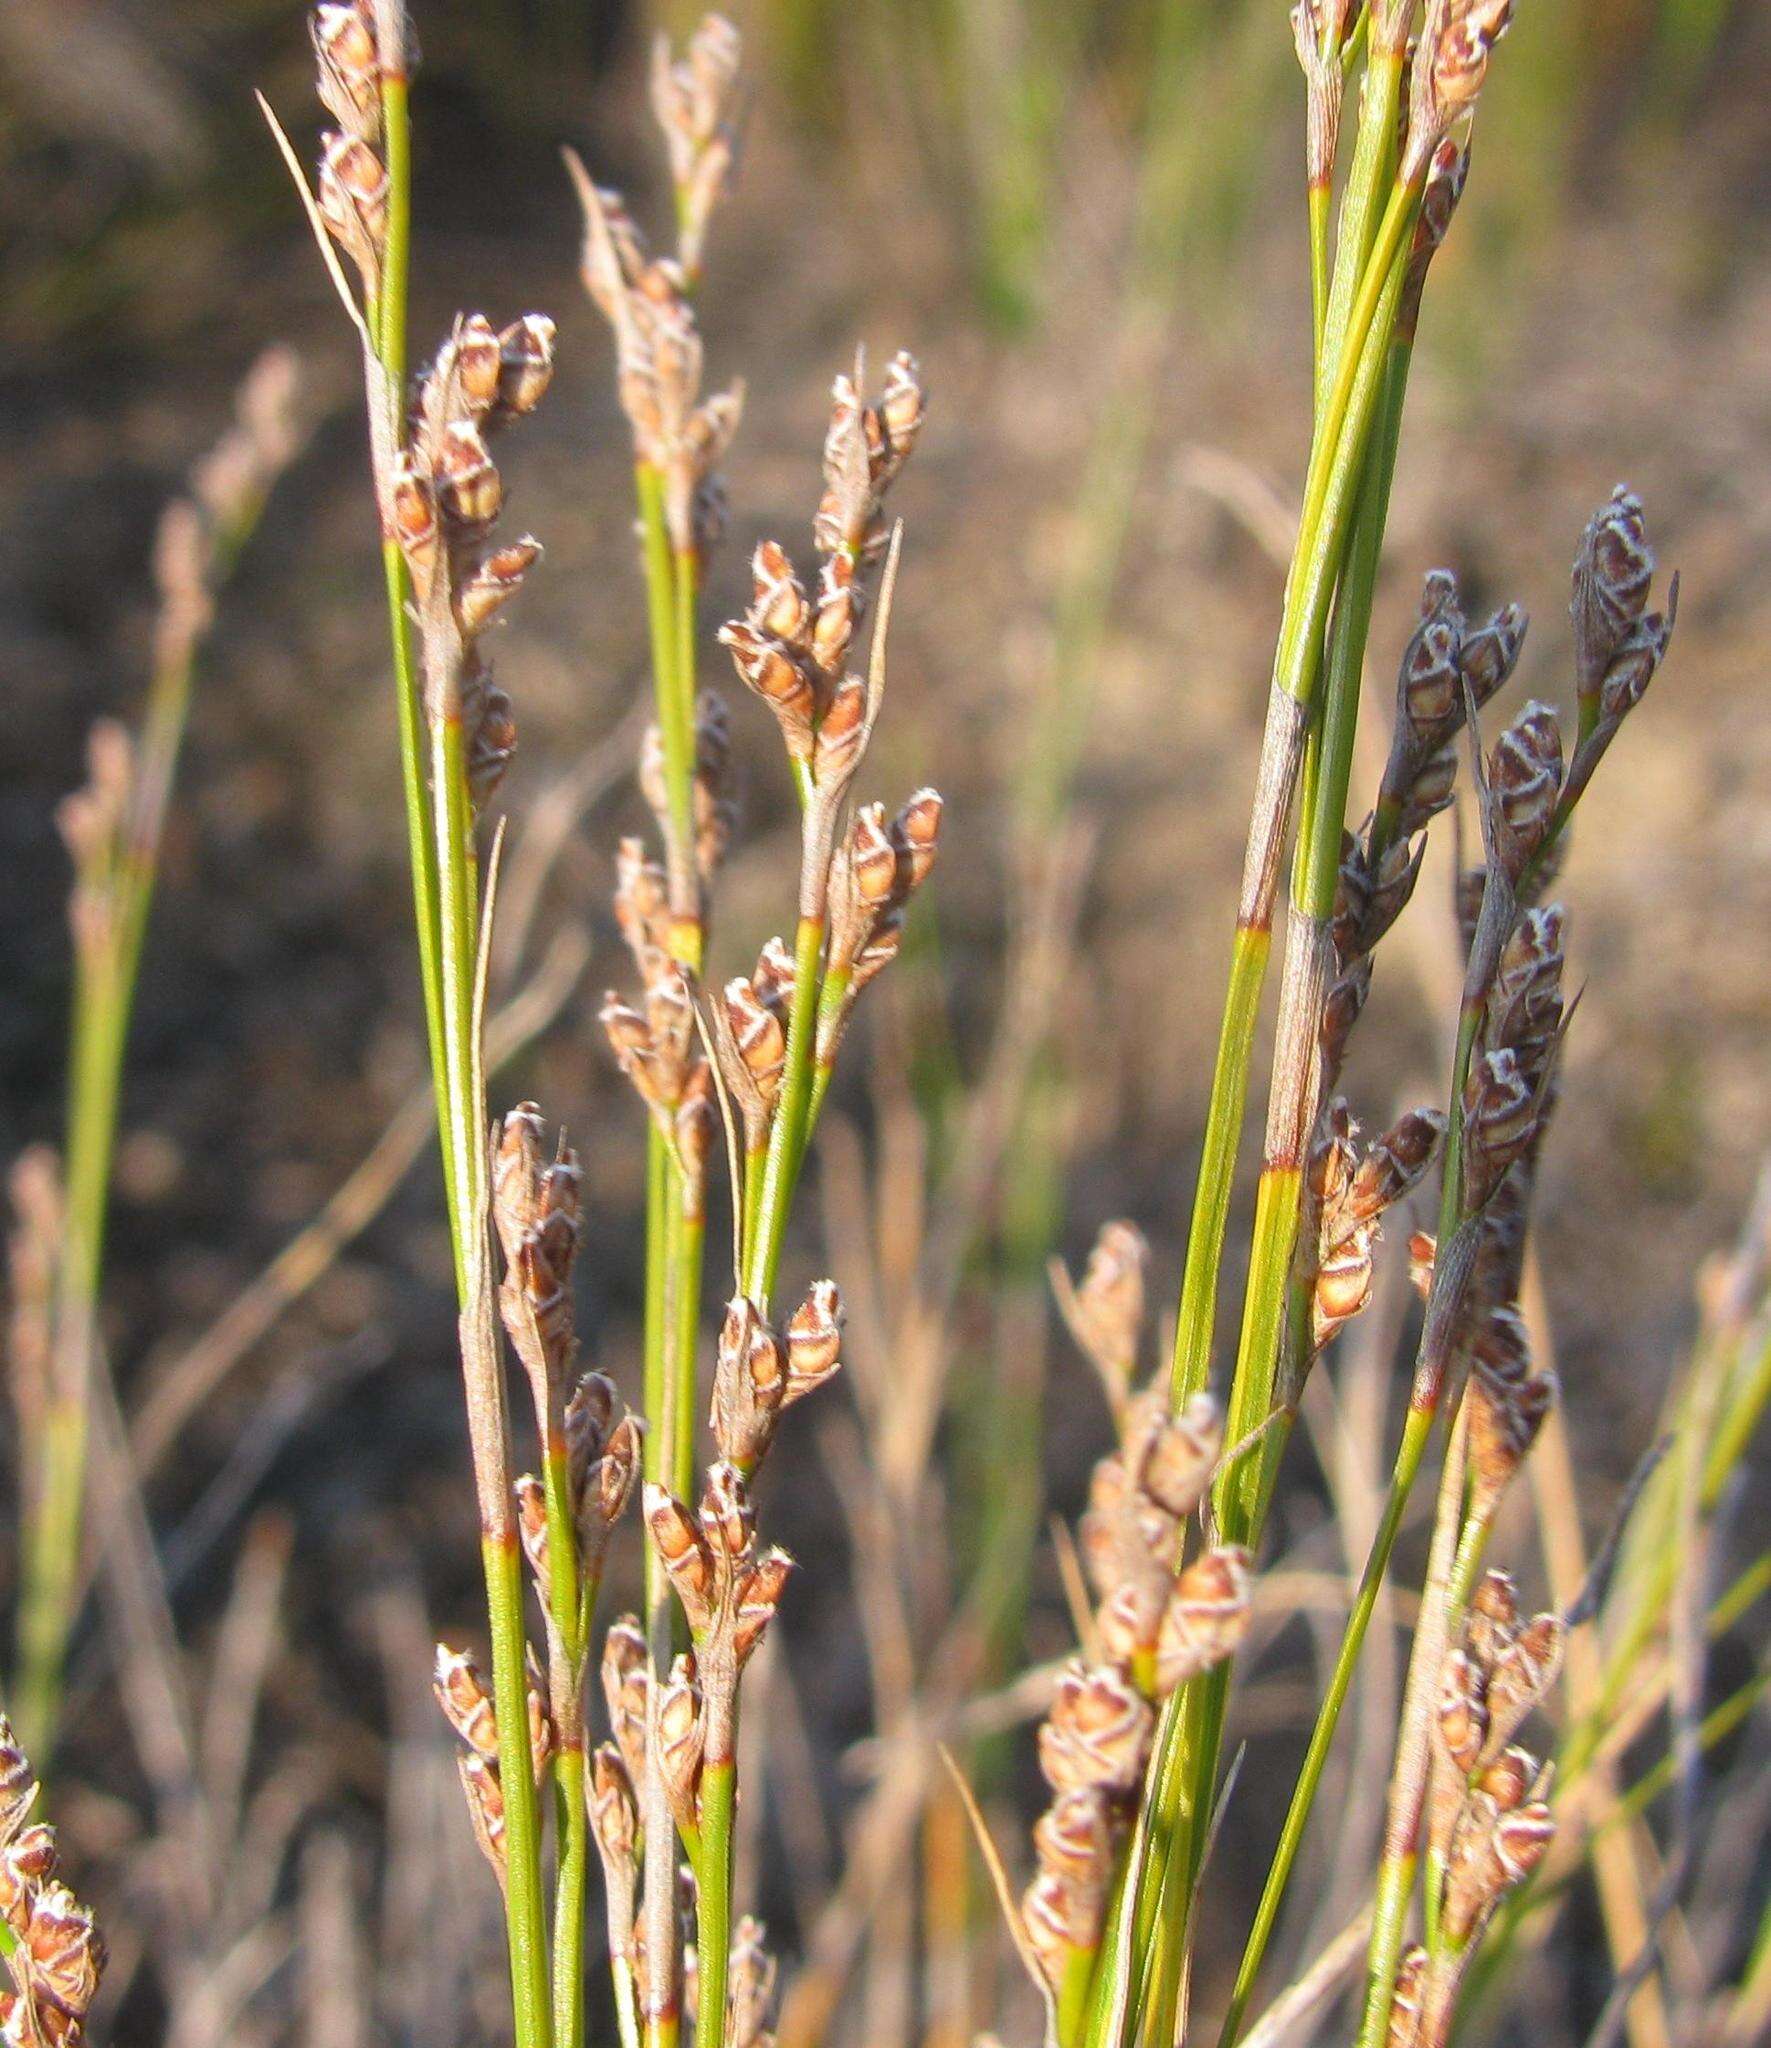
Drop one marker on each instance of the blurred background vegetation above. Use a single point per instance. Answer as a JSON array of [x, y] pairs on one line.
[[1085, 216]]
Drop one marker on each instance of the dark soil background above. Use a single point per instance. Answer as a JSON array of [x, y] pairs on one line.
[[1616, 327]]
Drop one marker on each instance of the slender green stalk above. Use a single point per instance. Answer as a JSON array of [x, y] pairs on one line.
[[1322, 537], [1313, 889], [106, 973], [462, 1090], [571, 1895], [525, 1917], [571, 1619], [445, 903], [1193, 1729], [713, 1904], [387, 327], [787, 1137]]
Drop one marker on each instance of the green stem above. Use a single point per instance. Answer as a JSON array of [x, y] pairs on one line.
[[1319, 201], [105, 982], [1321, 543], [524, 1905], [1244, 1489], [788, 1133], [1319, 861], [687, 1238], [571, 1897], [1217, 1164], [570, 1618], [713, 1901], [525, 1920]]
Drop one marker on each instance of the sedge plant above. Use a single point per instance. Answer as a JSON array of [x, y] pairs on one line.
[[751, 1065], [1112, 1911], [114, 829]]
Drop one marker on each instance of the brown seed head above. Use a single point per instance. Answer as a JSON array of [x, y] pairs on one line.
[[1500, 1118], [1205, 1616], [1613, 573], [1097, 1733], [1344, 1275], [525, 365], [1395, 1163], [494, 581], [1509, 1778], [681, 1735], [755, 1599], [1524, 780], [1074, 1838], [761, 1041], [1449, 67], [1341, 1010], [531, 1503], [1494, 1615], [1491, 652], [1105, 1309], [836, 616], [469, 487], [63, 1953], [728, 1519], [814, 1339], [778, 676], [1462, 1716], [466, 1704], [683, 1551], [353, 203], [485, 1807], [1429, 697], [1177, 1464], [1523, 1671], [1519, 1843], [614, 1813], [916, 833], [1430, 792], [778, 606], [749, 1384], [1504, 1423], [626, 1676], [1406, 1998], [475, 363], [18, 1782], [349, 81]]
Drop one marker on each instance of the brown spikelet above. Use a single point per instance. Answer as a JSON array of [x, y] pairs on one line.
[[1205, 1616], [465, 1702], [485, 1808], [1097, 1733], [814, 1340], [683, 1551]]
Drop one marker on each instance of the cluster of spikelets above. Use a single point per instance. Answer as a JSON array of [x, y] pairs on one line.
[[440, 491], [445, 498], [1157, 1621], [688, 1058], [110, 825], [53, 1953], [535, 1208], [1488, 1817]]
